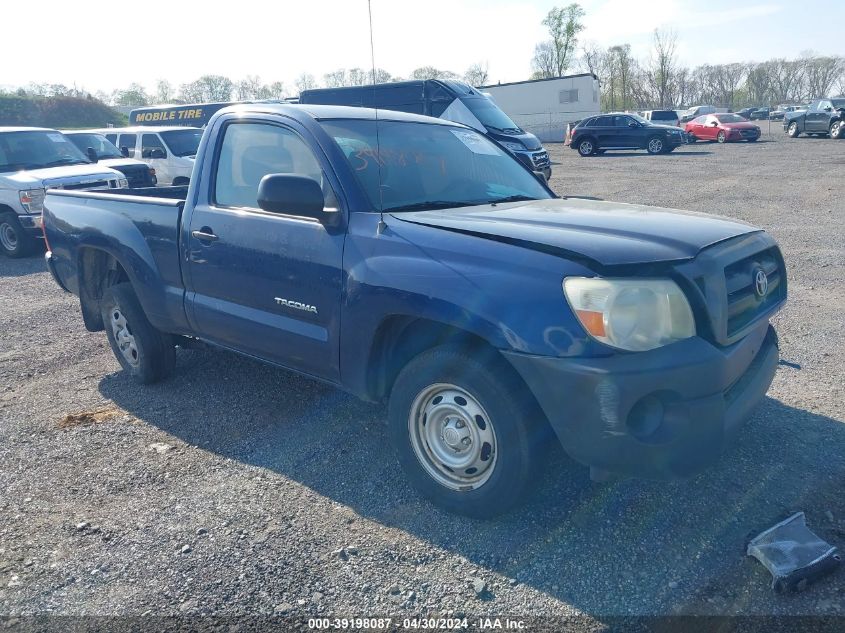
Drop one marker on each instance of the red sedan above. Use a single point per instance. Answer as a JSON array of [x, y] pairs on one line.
[[722, 127]]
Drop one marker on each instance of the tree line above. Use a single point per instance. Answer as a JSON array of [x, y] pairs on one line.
[[661, 81], [210, 88], [627, 83]]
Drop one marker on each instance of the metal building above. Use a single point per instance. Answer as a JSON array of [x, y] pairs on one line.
[[545, 106]]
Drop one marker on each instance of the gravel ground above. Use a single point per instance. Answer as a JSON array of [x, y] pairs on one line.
[[239, 489]]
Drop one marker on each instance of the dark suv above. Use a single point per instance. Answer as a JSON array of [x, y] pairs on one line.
[[620, 130]]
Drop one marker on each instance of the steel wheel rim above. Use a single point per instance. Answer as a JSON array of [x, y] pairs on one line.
[[8, 236], [586, 148], [124, 338], [655, 145], [452, 437]]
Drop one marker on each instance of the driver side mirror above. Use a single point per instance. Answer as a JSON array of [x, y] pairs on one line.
[[828, 109], [633, 124], [293, 195], [92, 155], [714, 124]]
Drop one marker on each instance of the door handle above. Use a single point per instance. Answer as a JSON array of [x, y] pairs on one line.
[[204, 235]]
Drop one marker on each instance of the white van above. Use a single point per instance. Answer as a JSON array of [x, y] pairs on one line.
[[662, 117], [168, 150]]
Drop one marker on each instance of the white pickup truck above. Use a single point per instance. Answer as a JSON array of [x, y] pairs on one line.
[[33, 160]]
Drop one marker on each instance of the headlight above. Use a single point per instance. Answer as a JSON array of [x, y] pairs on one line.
[[631, 314], [123, 183], [514, 147], [32, 200]]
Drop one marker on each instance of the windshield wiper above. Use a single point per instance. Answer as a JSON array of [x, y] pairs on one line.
[[66, 161], [517, 198], [429, 205]]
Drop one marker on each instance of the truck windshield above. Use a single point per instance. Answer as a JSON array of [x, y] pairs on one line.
[[101, 145], [490, 115], [37, 149], [182, 142], [415, 166]]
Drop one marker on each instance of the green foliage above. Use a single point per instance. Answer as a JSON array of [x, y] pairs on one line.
[[57, 112]]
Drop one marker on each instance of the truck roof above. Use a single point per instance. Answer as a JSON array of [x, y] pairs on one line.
[[320, 112]]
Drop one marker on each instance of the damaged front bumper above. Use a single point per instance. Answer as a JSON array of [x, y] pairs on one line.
[[659, 414]]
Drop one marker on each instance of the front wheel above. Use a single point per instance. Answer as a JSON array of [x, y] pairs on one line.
[[465, 432], [655, 145], [721, 137], [144, 353], [837, 129], [14, 241], [792, 130], [586, 147]]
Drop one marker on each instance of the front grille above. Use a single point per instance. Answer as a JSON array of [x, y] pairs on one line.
[[541, 159], [744, 303], [97, 184], [137, 176], [749, 133]]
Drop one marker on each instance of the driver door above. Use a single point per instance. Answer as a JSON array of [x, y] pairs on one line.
[[150, 144], [268, 284]]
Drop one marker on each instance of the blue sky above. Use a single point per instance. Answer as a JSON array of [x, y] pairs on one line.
[[102, 44]]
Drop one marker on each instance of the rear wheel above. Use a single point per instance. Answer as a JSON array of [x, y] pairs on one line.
[[14, 241], [792, 130], [145, 353], [655, 145], [465, 432], [837, 129]]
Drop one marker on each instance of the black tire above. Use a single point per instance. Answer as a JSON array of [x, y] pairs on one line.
[[792, 130], [152, 352], [721, 137], [655, 145], [15, 242], [517, 427], [586, 147], [837, 129]]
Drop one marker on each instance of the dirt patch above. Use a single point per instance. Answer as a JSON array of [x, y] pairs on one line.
[[86, 418]]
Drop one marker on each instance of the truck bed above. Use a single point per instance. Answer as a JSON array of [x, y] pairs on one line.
[[139, 228]]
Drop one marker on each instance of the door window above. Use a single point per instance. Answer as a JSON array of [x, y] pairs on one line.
[[250, 151], [149, 142], [128, 141]]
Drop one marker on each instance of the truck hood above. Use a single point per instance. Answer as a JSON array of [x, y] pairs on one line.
[[61, 176], [607, 233]]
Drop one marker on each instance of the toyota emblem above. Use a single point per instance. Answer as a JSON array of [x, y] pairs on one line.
[[761, 283]]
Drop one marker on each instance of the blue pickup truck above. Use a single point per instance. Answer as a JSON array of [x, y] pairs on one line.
[[414, 261]]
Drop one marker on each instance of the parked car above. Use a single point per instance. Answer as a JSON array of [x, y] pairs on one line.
[[32, 160], [824, 116], [760, 114], [778, 113], [446, 99], [596, 135], [395, 257], [662, 117], [168, 150], [697, 111], [722, 128], [100, 150], [745, 113]]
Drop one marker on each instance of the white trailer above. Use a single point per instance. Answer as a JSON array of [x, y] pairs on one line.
[[544, 107]]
